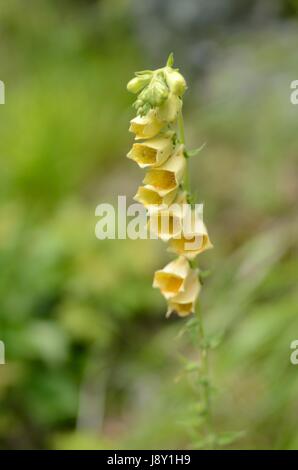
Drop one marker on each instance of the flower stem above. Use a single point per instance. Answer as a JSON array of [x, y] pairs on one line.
[[181, 128], [204, 374], [186, 180], [204, 366]]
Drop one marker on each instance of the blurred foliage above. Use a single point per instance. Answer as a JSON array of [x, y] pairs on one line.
[[91, 360]]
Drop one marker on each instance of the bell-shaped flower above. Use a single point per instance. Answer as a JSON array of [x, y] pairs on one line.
[[166, 223], [184, 302], [151, 199], [171, 279], [153, 152], [193, 240], [146, 127], [168, 176]]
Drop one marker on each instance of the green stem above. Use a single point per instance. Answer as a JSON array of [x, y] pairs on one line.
[[204, 369], [181, 128], [186, 180]]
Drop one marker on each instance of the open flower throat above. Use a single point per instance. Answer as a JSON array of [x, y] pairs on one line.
[[160, 149]]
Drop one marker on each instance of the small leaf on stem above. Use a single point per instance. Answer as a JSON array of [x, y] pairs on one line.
[[193, 152]]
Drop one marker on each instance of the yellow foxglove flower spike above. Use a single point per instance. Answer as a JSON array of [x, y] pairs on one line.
[[166, 193], [151, 153], [184, 302], [171, 279], [168, 176]]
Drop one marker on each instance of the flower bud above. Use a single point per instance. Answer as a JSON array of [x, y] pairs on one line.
[[157, 91], [169, 110], [175, 81], [135, 85]]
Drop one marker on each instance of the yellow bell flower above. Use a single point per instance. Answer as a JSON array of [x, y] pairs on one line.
[[171, 279], [145, 127], [184, 302], [149, 197], [165, 223], [168, 176], [152, 152], [192, 241]]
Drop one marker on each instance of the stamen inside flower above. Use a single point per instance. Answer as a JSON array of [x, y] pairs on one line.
[[144, 154], [161, 179], [137, 128]]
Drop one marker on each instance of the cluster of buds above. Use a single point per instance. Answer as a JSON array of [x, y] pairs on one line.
[[160, 150]]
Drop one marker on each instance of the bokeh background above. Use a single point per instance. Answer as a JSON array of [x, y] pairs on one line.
[[91, 361]]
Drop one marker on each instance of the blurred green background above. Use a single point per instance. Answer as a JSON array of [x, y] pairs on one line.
[[91, 361]]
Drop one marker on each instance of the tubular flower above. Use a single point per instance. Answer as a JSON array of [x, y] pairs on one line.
[[171, 279], [191, 242], [151, 153], [151, 199], [166, 223], [184, 302], [168, 176], [145, 127], [165, 189]]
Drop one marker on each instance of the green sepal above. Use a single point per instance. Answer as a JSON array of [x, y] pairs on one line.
[[170, 60]]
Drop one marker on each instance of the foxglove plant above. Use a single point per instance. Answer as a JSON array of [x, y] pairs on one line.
[[160, 149]]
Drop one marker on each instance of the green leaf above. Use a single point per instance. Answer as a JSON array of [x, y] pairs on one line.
[[207, 442], [205, 273], [143, 72], [228, 438], [193, 152], [191, 366], [214, 341]]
